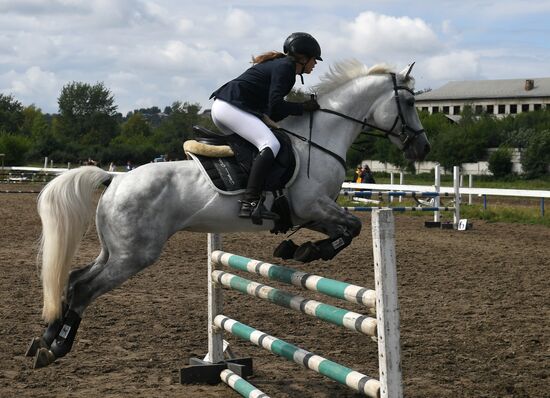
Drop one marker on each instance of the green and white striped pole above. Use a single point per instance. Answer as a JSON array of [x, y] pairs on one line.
[[332, 370], [240, 385], [330, 287], [337, 316]]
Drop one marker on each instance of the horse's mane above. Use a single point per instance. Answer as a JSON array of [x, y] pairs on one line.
[[345, 71]]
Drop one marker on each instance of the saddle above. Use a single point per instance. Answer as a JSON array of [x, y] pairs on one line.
[[227, 161]]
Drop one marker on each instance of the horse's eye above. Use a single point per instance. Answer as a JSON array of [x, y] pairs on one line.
[[410, 101]]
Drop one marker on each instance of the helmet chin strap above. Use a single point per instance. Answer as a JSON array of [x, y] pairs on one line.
[[301, 74]]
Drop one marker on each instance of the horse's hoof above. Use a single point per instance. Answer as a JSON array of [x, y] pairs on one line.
[[307, 252], [43, 358], [34, 346], [285, 250]]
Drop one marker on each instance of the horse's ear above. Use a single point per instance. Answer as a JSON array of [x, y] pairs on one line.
[[407, 71]]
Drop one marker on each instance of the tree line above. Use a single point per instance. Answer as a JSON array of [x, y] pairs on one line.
[[468, 140], [88, 125]]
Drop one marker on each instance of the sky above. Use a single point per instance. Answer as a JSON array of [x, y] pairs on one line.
[[155, 52]]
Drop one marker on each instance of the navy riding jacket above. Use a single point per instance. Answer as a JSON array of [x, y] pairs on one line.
[[261, 89]]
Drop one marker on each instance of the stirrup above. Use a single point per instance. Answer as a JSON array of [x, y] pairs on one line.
[[256, 211]]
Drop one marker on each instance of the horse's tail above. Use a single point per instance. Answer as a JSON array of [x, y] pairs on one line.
[[66, 206]]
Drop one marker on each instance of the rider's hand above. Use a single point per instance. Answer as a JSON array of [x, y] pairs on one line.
[[311, 105]]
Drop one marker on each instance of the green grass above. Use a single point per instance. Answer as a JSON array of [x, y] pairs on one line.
[[494, 213], [510, 182]]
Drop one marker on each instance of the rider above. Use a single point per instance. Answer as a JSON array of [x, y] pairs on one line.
[[241, 104]]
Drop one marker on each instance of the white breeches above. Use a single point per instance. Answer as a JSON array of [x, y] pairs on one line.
[[230, 119]]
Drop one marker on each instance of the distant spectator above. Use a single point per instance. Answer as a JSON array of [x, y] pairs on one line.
[[129, 166], [358, 172], [366, 175], [112, 167]]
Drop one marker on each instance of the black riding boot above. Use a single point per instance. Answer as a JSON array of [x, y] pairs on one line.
[[252, 203]]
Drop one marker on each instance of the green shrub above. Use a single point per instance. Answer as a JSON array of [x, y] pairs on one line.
[[500, 162], [535, 159], [14, 148]]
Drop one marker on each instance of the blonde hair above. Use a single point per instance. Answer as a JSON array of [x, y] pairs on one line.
[[267, 56]]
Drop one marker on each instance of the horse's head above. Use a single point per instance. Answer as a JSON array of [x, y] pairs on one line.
[[395, 114]]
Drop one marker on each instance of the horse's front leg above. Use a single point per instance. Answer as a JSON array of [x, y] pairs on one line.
[[339, 225]]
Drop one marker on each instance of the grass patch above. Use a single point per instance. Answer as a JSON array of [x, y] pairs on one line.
[[508, 182], [495, 213]]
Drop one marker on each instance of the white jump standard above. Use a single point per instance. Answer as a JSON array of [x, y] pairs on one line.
[[385, 328]]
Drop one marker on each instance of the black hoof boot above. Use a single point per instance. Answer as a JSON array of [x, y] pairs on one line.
[[285, 250], [65, 339], [307, 252]]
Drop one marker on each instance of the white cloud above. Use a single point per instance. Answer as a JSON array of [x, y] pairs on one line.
[[456, 65], [34, 83], [154, 52], [372, 33], [239, 23]]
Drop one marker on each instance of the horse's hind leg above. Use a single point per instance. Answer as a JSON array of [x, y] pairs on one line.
[[100, 279], [54, 327]]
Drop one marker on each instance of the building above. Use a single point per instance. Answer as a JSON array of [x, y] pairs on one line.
[[495, 97]]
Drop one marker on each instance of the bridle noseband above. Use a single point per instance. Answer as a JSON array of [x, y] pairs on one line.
[[407, 133]]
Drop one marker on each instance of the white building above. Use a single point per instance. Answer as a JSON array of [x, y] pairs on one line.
[[496, 97]]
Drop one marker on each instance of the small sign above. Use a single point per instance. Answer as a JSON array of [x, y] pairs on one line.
[[463, 224]]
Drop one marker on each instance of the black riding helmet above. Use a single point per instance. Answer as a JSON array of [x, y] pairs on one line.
[[302, 43]]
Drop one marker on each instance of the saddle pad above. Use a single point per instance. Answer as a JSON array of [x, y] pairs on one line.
[[226, 174]]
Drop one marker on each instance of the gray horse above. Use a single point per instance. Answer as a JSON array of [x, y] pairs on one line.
[[141, 209]]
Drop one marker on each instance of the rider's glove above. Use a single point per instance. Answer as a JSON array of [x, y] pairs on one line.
[[311, 105]]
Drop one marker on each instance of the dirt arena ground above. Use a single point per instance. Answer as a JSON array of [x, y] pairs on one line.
[[475, 316]]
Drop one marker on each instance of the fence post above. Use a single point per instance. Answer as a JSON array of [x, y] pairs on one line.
[[456, 185], [215, 304], [400, 183], [391, 182], [470, 185], [387, 303], [437, 185]]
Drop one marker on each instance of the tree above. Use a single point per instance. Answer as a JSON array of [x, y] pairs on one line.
[[14, 147], [88, 114], [11, 114], [535, 159], [500, 162], [135, 126], [177, 127]]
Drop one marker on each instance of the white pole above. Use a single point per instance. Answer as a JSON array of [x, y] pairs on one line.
[[400, 182], [437, 185], [215, 304], [51, 164], [456, 185], [68, 165], [470, 185], [46, 162], [387, 303], [391, 182]]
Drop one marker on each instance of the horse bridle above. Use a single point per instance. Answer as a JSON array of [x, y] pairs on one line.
[[407, 134]]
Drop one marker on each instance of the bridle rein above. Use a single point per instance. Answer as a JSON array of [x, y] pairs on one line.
[[407, 133]]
